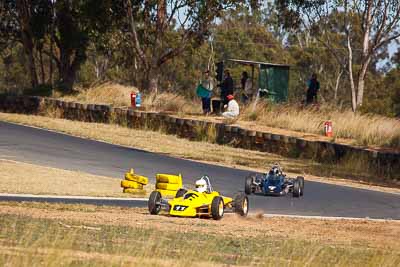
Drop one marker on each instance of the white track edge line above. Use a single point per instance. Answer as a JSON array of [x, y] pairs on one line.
[[70, 197], [328, 217]]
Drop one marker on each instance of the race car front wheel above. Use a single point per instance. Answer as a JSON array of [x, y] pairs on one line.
[[248, 185], [301, 181], [154, 202], [217, 208], [296, 188], [241, 204]]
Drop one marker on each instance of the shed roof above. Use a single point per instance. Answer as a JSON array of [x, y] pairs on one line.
[[250, 62]]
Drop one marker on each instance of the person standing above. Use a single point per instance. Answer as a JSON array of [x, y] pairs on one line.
[[312, 89], [226, 87], [208, 85], [246, 87], [232, 108]]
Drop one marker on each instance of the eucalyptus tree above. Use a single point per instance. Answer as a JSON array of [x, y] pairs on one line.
[[161, 30], [21, 21], [373, 24]]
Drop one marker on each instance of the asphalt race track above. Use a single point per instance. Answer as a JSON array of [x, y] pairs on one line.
[[71, 153]]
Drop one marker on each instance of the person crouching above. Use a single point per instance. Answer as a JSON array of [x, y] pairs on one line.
[[232, 108]]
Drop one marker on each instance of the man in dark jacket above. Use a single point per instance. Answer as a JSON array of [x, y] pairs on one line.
[[312, 89], [226, 87]]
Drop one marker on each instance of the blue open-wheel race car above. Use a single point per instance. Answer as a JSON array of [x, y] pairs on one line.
[[275, 183]]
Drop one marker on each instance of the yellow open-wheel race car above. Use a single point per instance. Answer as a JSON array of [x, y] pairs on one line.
[[201, 202]]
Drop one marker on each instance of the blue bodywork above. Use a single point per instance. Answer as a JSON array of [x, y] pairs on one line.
[[273, 184]]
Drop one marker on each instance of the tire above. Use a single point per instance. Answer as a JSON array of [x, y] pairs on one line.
[[154, 208], [137, 178], [165, 186], [241, 204], [301, 180], [180, 193], [296, 188], [248, 185], [217, 208], [131, 184], [169, 178]]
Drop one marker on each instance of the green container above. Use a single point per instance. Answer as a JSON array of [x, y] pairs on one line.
[[274, 81]]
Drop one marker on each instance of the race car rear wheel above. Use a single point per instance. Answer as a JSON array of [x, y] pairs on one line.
[[301, 180], [241, 204], [217, 208], [181, 192], [296, 188], [154, 202], [248, 185]]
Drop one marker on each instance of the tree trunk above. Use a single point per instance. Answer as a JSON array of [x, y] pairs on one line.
[[42, 72], [361, 82], [366, 57], [152, 81], [337, 84], [351, 78], [23, 9], [28, 48], [67, 80], [70, 62], [51, 69]]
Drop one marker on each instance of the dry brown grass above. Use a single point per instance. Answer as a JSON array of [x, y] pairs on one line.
[[85, 232], [159, 142], [106, 93], [169, 102], [24, 178], [364, 129], [119, 95]]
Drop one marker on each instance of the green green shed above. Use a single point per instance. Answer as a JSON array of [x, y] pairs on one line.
[[273, 79]]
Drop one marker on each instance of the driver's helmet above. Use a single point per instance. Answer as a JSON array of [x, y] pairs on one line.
[[201, 185], [274, 171]]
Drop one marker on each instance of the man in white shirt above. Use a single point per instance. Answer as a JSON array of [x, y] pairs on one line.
[[232, 109]]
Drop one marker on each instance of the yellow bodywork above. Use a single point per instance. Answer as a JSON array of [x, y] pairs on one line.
[[194, 204]]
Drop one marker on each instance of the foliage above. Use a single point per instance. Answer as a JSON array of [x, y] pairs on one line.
[[367, 26], [80, 43]]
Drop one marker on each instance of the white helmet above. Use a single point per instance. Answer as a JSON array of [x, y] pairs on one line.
[[201, 185]]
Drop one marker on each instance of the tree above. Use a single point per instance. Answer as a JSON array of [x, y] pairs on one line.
[[77, 23], [374, 23], [16, 26], [161, 30]]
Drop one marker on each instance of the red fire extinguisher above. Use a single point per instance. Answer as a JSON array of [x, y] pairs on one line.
[[133, 99], [328, 128]]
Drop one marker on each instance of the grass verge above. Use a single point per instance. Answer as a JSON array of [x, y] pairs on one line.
[[71, 235], [354, 128], [159, 142], [24, 178]]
